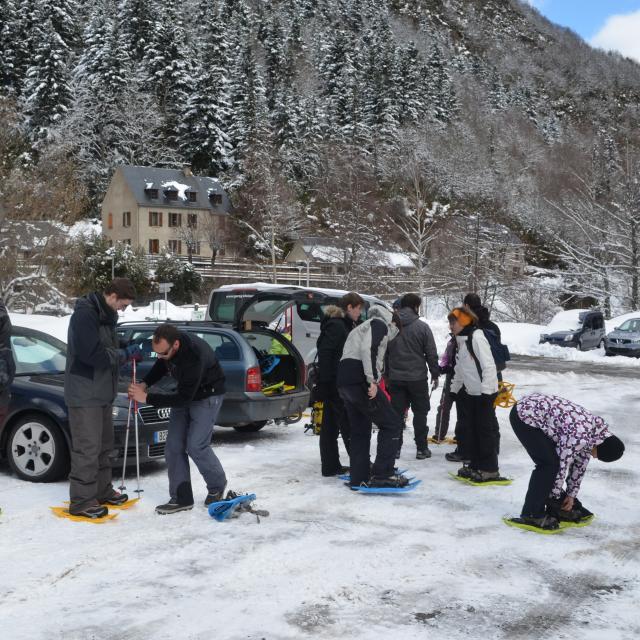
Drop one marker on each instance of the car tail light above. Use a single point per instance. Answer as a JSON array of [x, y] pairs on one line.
[[254, 379]]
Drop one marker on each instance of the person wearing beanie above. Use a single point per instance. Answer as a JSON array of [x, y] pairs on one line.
[[474, 387], [560, 437]]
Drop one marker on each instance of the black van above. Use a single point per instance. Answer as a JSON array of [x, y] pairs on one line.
[[586, 332]]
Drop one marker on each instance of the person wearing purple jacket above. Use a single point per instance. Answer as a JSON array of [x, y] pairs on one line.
[[560, 437]]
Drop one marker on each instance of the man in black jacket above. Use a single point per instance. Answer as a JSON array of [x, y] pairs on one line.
[[334, 329], [195, 404], [90, 387]]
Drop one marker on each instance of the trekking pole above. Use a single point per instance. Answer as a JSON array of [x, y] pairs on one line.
[[126, 447], [135, 423]]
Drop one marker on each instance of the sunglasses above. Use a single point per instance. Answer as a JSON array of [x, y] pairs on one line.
[[164, 354]]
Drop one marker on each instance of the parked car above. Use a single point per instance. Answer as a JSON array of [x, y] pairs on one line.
[[624, 340], [265, 373], [35, 436], [581, 329], [296, 311]]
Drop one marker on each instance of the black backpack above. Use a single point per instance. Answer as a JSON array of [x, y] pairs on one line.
[[499, 351]]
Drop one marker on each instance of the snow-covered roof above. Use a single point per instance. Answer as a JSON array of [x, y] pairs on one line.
[[336, 254], [143, 180]]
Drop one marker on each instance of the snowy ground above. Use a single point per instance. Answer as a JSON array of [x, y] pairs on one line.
[[329, 563]]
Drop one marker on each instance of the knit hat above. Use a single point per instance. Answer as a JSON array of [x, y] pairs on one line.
[[464, 318], [610, 449]]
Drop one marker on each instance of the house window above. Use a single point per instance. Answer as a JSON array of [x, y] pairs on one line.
[[215, 198], [170, 194], [110, 221], [196, 248], [126, 218], [152, 193], [192, 220], [175, 246], [192, 196], [175, 219], [126, 241], [154, 246], [155, 218]]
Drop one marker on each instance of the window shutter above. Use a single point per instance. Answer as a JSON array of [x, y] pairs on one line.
[[160, 216]]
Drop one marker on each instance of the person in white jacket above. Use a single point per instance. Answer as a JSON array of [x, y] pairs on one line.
[[475, 384]]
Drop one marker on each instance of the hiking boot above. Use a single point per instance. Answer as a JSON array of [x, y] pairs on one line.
[[454, 456], [116, 499], [219, 496], [341, 470], [423, 453], [546, 523], [172, 507], [484, 476], [393, 481], [94, 512], [465, 472]]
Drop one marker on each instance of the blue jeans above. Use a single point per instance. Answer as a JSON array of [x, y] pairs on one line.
[[190, 432]]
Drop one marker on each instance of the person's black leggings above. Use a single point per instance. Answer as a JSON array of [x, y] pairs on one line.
[[542, 451]]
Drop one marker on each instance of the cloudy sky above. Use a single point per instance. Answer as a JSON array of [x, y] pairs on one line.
[[608, 24]]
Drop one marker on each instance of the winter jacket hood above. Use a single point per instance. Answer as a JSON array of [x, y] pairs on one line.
[[484, 320], [91, 375], [332, 311], [413, 350], [364, 351]]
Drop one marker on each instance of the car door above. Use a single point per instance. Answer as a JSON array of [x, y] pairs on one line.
[[229, 355], [588, 333]]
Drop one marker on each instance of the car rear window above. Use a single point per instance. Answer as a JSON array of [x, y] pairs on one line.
[[224, 347], [225, 304]]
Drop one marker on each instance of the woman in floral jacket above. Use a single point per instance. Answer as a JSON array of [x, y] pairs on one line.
[[561, 437]]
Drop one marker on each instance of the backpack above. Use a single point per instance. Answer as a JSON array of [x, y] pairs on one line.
[[499, 351]]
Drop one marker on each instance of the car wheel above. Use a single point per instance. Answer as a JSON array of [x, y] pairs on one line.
[[251, 428], [607, 353], [37, 450]]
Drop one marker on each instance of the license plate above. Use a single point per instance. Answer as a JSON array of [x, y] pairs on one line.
[[160, 436]]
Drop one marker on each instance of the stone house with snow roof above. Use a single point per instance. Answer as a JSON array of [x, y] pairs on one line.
[[154, 208]]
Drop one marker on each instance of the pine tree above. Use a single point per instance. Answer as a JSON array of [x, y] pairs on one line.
[[9, 29], [203, 130], [440, 92], [136, 25], [249, 111], [167, 68], [408, 84], [47, 94]]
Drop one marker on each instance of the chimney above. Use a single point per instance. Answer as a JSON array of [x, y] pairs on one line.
[[186, 169]]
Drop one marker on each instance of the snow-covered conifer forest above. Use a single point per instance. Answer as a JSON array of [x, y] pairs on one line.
[[452, 130]]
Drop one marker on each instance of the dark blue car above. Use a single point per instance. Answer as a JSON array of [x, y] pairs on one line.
[[35, 436]]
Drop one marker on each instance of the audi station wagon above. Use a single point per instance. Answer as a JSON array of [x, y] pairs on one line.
[[35, 436]]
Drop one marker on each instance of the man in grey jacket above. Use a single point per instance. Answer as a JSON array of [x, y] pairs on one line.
[[410, 354], [90, 387]]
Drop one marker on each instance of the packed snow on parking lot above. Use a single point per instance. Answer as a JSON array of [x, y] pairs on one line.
[[330, 563]]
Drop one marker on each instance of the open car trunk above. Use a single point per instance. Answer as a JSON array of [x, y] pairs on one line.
[[282, 369]]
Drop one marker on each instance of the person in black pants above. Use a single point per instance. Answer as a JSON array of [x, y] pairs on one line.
[[359, 374], [475, 374], [560, 437], [334, 329], [411, 356]]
